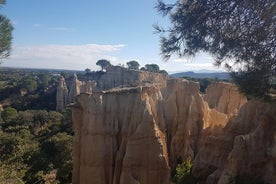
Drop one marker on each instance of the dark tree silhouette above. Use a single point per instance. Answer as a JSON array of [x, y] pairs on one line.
[[103, 63], [5, 34], [152, 67], [133, 65], [241, 35]]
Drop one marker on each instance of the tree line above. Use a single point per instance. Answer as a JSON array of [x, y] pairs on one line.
[[132, 65]]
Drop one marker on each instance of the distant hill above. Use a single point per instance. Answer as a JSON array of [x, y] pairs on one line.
[[218, 75]]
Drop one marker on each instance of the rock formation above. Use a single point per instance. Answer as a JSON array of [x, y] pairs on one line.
[[139, 134], [62, 95], [117, 76], [65, 97], [244, 148], [225, 98]]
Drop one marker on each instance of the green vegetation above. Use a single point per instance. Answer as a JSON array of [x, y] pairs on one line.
[[152, 67], [35, 146], [24, 90], [241, 35], [35, 141], [134, 65], [184, 173], [103, 63], [6, 29]]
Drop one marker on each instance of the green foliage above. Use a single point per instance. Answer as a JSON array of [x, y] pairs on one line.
[[6, 29], [134, 65], [87, 71], [163, 72], [8, 114], [29, 83], [28, 89], [35, 146], [183, 173], [239, 34], [143, 69], [103, 63], [152, 67]]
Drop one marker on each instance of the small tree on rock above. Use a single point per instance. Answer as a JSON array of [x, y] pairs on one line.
[[152, 67], [134, 65], [103, 63]]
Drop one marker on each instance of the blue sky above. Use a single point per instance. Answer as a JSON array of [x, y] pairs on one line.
[[71, 34]]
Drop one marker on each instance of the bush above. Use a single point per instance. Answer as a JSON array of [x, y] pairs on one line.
[[184, 173]]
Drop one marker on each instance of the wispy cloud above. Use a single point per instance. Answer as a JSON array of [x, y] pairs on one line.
[[61, 29], [57, 28], [37, 25], [62, 56]]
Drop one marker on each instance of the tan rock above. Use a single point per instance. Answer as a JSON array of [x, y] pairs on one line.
[[225, 98], [109, 147], [62, 95], [139, 134]]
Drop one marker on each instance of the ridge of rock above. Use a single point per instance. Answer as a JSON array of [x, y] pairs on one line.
[[138, 134]]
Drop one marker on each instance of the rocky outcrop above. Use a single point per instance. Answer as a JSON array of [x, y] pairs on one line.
[[243, 149], [253, 153], [78, 87], [108, 147], [139, 134], [116, 76], [224, 97], [62, 95]]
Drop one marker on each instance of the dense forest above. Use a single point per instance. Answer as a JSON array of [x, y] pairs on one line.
[[35, 140]]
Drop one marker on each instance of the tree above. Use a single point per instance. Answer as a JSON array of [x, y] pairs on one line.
[[163, 72], [152, 67], [103, 63], [184, 173], [133, 65], [143, 69], [87, 70], [241, 35], [9, 114], [29, 83], [5, 34]]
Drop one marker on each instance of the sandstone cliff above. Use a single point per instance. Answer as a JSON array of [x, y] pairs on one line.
[[116, 76], [139, 134], [65, 96], [224, 97], [62, 95]]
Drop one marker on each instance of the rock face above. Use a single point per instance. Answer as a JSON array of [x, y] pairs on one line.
[[108, 147], [115, 76], [225, 98], [139, 134], [62, 95], [244, 148], [65, 96]]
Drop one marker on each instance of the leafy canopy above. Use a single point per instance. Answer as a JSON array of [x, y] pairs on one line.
[[133, 65], [103, 63], [152, 67], [5, 34], [241, 35]]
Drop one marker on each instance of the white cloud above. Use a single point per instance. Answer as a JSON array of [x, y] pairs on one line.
[[37, 25], [61, 29], [180, 60], [62, 56]]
